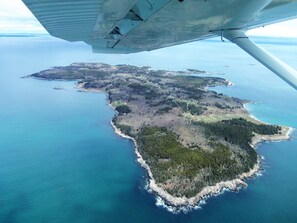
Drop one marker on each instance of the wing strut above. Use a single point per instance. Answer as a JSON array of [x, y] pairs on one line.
[[277, 66]]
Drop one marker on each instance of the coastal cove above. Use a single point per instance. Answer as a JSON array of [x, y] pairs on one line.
[[62, 162], [109, 79]]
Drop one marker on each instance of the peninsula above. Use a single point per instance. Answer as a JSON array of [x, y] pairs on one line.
[[193, 141]]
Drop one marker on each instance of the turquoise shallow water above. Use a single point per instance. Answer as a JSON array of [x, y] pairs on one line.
[[60, 160]]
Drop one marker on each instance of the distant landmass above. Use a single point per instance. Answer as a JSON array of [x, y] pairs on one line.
[[193, 141], [24, 35]]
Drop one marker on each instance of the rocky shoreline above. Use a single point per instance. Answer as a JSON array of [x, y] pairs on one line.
[[181, 202], [286, 132], [176, 204]]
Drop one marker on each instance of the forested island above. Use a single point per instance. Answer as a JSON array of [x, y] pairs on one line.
[[192, 140]]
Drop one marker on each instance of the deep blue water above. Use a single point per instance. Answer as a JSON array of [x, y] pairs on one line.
[[60, 160]]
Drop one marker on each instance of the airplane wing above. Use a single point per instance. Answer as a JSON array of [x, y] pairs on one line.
[[127, 26]]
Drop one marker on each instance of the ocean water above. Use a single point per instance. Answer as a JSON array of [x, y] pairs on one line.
[[60, 160]]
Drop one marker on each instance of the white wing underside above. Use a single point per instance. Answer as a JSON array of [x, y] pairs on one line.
[[126, 26]]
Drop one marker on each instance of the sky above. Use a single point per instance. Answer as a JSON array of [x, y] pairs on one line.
[[16, 18]]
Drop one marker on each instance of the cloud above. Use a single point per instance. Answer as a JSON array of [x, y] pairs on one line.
[[15, 17], [282, 29]]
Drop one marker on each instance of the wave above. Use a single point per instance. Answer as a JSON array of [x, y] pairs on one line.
[[160, 202]]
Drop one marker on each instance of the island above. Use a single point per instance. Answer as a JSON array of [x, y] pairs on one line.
[[193, 141]]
